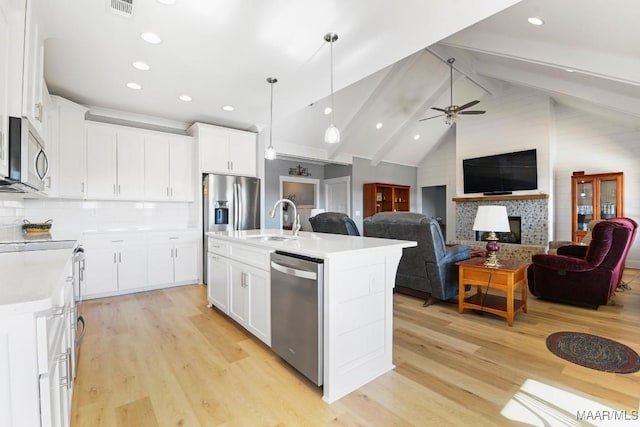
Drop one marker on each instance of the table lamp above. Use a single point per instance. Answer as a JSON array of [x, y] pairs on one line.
[[492, 219]]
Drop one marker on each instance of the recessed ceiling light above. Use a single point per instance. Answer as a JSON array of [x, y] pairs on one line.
[[141, 65], [327, 110], [134, 86], [151, 38], [378, 125], [569, 70], [534, 20], [167, 1], [228, 108], [416, 137], [185, 98]]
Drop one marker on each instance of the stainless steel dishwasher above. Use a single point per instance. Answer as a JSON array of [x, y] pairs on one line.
[[297, 312]]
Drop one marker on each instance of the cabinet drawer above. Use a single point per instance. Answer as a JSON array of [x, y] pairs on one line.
[[250, 255], [219, 247]]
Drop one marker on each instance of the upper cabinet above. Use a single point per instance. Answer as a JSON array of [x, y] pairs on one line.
[[67, 133], [5, 45], [168, 168], [34, 89], [596, 196], [115, 163], [226, 151]]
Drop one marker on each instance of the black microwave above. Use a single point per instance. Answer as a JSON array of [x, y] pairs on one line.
[[28, 163]]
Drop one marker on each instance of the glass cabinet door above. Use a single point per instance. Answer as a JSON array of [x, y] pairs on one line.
[[584, 198], [608, 198]]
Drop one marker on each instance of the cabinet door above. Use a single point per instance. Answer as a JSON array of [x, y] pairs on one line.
[[101, 162], [156, 168], [242, 153], [101, 270], [72, 154], [258, 290], [130, 165], [132, 266], [4, 89], [160, 264], [218, 282], [33, 69], [181, 170], [214, 150], [185, 261], [237, 295]]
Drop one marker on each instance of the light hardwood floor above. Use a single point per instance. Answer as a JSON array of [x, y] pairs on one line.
[[163, 358]]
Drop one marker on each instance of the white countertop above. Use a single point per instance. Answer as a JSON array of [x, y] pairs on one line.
[[319, 245], [31, 278]]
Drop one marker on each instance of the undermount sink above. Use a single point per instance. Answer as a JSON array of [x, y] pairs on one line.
[[271, 238]]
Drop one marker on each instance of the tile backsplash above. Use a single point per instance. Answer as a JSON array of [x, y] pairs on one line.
[[12, 213], [88, 215]]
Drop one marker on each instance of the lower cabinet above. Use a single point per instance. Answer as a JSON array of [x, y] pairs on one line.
[[241, 289], [250, 299], [120, 264], [115, 265], [218, 281], [173, 260]]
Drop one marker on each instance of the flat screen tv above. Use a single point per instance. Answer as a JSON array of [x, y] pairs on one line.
[[501, 173]]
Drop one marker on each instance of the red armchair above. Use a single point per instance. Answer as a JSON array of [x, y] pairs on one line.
[[585, 275]]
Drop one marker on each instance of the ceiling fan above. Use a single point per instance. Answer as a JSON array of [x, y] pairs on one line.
[[451, 112]]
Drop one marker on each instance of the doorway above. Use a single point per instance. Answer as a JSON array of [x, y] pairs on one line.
[[305, 193], [337, 193], [434, 205]]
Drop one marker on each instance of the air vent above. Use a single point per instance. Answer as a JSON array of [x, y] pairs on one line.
[[122, 7]]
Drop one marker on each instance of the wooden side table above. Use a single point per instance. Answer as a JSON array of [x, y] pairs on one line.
[[506, 278]]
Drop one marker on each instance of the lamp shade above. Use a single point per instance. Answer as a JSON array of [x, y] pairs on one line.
[[492, 218], [315, 212]]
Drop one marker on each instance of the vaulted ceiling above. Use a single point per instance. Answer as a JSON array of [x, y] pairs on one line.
[[390, 64]]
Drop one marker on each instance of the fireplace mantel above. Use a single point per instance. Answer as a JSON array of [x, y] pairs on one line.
[[501, 198]]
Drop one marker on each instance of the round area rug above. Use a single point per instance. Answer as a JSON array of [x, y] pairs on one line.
[[594, 352]]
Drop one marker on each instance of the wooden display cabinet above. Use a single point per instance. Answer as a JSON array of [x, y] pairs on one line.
[[385, 198], [596, 196]]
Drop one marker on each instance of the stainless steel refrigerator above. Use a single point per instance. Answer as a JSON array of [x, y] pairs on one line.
[[229, 203]]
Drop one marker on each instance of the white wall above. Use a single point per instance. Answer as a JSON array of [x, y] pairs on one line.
[[595, 144]]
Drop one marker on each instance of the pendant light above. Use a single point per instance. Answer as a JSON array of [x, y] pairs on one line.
[[332, 135], [270, 154]]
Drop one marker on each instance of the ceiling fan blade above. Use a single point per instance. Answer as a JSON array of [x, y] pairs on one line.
[[433, 117], [467, 105], [472, 112], [439, 109]]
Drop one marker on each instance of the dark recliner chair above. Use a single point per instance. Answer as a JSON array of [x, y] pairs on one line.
[[585, 275], [334, 223], [427, 270]]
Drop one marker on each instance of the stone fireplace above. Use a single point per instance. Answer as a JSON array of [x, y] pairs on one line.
[[532, 209]]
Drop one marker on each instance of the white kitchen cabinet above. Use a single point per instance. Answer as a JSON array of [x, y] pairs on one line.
[[5, 46], [239, 284], [250, 299], [218, 281], [173, 260], [115, 265], [33, 74], [67, 132], [168, 168], [224, 150], [115, 163], [36, 386]]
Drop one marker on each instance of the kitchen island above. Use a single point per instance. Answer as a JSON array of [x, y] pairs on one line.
[[359, 276]]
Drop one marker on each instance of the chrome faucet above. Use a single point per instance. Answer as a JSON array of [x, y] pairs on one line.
[[296, 219]]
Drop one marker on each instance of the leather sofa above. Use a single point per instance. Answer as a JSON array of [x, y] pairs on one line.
[[427, 270], [334, 223], [585, 275]]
